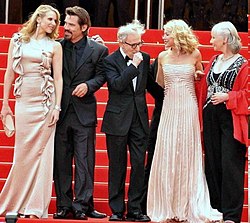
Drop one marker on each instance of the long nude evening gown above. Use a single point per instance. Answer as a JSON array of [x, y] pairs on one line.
[[177, 184], [29, 184]]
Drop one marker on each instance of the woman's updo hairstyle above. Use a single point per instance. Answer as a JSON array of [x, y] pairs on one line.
[[229, 32]]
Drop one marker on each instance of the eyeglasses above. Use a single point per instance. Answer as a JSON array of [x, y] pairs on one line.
[[134, 45]]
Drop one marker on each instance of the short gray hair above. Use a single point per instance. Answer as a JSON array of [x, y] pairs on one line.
[[130, 28], [228, 30]]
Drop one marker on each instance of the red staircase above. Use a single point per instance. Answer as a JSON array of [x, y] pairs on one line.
[[153, 45]]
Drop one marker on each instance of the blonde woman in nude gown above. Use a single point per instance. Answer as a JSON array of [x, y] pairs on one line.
[[177, 186], [33, 53]]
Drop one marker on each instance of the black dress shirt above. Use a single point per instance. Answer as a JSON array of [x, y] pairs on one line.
[[74, 52]]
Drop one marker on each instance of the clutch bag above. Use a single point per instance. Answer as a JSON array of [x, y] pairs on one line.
[[9, 126]]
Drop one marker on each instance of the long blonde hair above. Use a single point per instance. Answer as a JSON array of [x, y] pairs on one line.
[[184, 39], [29, 27]]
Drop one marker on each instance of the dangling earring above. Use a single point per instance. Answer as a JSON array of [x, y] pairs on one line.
[[37, 30]]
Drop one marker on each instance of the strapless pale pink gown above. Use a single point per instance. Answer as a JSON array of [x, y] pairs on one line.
[[177, 185], [29, 184]]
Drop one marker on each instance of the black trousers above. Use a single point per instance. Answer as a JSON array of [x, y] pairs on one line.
[[151, 148], [121, 12], [2, 11], [73, 141], [224, 162], [117, 154]]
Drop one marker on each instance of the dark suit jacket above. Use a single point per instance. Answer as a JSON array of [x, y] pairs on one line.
[[122, 97], [158, 103], [89, 71]]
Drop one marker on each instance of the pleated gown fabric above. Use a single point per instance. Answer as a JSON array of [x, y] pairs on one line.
[[177, 184], [29, 184]]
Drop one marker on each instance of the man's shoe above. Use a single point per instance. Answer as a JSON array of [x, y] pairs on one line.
[[96, 214], [79, 215], [63, 213], [138, 217], [116, 217]]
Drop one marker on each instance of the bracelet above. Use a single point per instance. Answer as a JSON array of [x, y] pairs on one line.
[[57, 107]]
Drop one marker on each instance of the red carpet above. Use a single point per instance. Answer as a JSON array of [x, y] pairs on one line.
[[153, 45], [51, 220]]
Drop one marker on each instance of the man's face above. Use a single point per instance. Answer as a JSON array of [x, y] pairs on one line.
[[132, 44], [72, 30]]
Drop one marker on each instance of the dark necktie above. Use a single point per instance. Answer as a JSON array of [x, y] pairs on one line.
[[127, 59], [73, 54]]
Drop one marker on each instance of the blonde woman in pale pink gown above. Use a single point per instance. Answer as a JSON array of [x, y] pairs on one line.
[[33, 53], [177, 186]]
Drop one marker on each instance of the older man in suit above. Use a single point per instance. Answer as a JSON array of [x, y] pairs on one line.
[[125, 120], [83, 75]]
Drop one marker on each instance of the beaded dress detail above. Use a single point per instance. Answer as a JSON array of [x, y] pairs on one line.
[[177, 185]]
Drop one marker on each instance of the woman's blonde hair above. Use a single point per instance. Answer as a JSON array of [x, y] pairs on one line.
[[184, 38], [227, 30], [29, 27]]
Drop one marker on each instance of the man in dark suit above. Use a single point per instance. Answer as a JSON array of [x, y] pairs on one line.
[[125, 120], [83, 75]]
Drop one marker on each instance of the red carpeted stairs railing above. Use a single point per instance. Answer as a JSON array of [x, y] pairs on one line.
[[153, 45]]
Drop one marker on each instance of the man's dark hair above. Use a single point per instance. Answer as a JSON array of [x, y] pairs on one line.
[[82, 14]]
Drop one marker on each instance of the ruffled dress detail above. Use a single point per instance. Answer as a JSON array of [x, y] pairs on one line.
[[29, 184], [45, 71]]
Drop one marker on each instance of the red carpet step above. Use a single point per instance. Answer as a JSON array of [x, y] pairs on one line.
[[153, 45], [51, 220]]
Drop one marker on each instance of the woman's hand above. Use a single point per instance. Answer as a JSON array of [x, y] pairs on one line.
[[198, 75], [54, 117], [5, 111], [219, 97], [98, 39]]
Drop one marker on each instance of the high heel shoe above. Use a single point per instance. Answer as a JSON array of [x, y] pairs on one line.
[[33, 216]]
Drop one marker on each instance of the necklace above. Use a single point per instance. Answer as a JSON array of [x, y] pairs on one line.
[[225, 59]]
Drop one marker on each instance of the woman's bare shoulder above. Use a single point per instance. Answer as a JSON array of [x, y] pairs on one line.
[[163, 54], [196, 53]]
